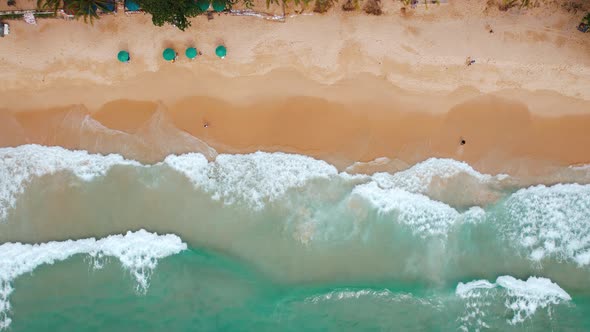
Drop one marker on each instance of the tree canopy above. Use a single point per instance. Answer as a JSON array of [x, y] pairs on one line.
[[175, 12], [88, 9], [53, 5]]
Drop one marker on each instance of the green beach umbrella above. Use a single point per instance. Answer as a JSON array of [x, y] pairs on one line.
[[218, 5], [221, 51], [191, 52], [203, 5], [169, 54], [123, 56]]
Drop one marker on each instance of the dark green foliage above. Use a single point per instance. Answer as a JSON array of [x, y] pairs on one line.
[[52, 5], [586, 19], [88, 9], [175, 12]]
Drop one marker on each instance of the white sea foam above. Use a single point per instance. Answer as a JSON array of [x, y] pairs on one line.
[[424, 216], [474, 215], [551, 222], [351, 294], [421, 176], [255, 178], [192, 165], [138, 252], [471, 288], [521, 298], [19, 165], [378, 165]]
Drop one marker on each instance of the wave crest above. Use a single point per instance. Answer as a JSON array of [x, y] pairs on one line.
[[138, 252]]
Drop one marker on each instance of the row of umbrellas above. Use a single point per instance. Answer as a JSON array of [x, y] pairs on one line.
[[169, 54]]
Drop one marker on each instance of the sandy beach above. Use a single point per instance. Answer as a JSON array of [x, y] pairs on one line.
[[109, 223], [342, 87]]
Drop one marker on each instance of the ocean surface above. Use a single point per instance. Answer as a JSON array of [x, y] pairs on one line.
[[283, 242]]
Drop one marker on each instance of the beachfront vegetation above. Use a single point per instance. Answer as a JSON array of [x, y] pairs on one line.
[[351, 5], [53, 5], [507, 4], [87, 9], [373, 7], [175, 12], [20, 16], [575, 6], [322, 6], [412, 3]]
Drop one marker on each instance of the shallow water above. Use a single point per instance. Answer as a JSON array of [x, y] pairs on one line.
[[286, 242]]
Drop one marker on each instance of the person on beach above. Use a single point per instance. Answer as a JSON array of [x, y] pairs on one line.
[[469, 61]]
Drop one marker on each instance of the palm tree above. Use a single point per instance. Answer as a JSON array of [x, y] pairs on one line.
[[88, 9], [49, 4]]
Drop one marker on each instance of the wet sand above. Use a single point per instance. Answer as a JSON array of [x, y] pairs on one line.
[[501, 135]]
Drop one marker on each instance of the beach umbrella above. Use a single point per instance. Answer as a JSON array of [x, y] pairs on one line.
[[169, 54], [221, 51], [131, 5], [203, 4], [218, 5], [123, 56], [191, 52]]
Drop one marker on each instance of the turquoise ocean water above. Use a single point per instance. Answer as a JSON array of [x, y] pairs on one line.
[[278, 242]]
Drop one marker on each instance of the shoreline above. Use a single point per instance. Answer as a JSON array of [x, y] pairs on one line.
[[502, 136], [340, 87]]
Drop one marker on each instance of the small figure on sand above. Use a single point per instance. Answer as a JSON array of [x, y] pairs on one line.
[[469, 61], [462, 141], [205, 124]]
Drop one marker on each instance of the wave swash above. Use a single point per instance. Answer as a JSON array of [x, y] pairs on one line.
[[295, 220]]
